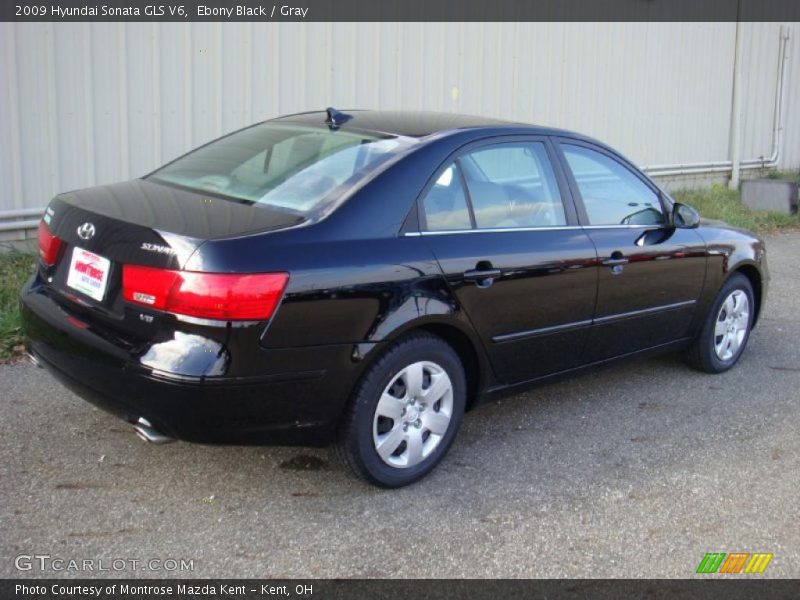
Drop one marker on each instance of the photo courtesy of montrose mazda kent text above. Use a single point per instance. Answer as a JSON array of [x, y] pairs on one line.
[[362, 278]]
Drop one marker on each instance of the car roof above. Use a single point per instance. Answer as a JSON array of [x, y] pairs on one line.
[[413, 123]]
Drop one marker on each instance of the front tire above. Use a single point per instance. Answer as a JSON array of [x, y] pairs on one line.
[[405, 412], [726, 329]]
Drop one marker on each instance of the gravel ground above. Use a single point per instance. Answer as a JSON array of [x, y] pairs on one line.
[[631, 471]]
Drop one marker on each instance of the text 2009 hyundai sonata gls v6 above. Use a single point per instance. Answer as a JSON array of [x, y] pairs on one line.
[[364, 278]]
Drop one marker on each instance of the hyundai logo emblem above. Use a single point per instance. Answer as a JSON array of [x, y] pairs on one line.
[[86, 231]]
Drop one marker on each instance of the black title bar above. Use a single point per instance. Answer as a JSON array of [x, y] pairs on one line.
[[377, 589], [401, 10]]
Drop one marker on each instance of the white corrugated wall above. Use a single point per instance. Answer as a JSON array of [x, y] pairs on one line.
[[83, 104]]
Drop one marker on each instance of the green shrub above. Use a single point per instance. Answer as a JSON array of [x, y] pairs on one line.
[[720, 203], [15, 268]]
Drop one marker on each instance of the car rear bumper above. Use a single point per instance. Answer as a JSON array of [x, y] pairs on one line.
[[292, 407]]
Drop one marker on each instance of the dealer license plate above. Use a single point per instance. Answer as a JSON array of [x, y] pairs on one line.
[[88, 273]]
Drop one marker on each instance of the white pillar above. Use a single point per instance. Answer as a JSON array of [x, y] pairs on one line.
[[736, 109]]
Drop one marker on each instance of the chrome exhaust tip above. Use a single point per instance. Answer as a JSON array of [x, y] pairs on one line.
[[34, 360], [146, 432]]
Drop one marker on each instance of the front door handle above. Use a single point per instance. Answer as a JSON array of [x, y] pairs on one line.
[[617, 259], [613, 262]]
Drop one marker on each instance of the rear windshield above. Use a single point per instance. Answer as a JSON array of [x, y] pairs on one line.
[[295, 168]]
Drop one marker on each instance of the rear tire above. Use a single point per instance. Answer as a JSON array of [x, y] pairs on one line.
[[726, 328], [404, 413]]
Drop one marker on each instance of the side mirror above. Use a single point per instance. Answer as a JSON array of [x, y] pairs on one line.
[[684, 216]]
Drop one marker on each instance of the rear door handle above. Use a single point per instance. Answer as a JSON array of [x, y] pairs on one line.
[[481, 274]]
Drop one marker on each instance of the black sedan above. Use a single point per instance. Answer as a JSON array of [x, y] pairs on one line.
[[364, 278]]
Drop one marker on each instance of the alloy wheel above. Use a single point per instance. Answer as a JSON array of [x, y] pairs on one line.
[[731, 325]]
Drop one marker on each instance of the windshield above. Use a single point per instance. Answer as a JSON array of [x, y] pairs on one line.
[[289, 167]]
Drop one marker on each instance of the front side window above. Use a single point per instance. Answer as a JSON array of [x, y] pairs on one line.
[[612, 194], [286, 166], [512, 185]]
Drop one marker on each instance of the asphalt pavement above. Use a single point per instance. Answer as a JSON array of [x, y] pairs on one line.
[[630, 471]]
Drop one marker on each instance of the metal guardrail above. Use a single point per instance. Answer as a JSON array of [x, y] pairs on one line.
[[15, 220], [21, 212], [19, 225]]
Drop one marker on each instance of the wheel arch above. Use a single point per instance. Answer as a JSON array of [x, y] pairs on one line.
[[463, 341], [754, 276], [464, 347]]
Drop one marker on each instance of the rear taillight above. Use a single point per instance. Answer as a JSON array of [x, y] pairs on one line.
[[223, 296], [49, 245]]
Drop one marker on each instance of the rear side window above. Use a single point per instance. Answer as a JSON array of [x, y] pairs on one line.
[[513, 185], [290, 167], [508, 186], [612, 194], [445, 204]]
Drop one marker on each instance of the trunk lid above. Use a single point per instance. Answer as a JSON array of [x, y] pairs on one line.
[[189, 214], [143, 223]]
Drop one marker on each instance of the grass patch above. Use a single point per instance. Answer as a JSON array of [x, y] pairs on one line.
[[784, 175], [718, 202], [15, 268]]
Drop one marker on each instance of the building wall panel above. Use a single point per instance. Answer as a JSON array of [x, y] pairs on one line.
[[84, 104]]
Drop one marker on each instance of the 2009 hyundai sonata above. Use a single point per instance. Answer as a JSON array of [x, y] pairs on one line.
[[364, 278]]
